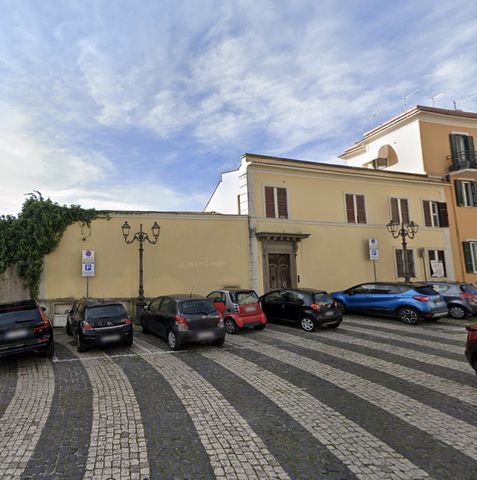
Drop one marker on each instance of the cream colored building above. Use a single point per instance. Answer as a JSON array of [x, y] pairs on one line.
[[310, 224], [439, 143]]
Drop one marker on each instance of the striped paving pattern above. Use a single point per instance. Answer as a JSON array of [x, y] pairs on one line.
[[374, 399], [22, 421]]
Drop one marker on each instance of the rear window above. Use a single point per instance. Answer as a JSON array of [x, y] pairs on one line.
[[105, 311], [244, 298], [322, 298], [427, 290], [197, 306], [7, 316], [469, 289]]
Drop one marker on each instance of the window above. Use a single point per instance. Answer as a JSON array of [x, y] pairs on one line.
[[435, 214], [399, 210], [276, 202], [466, 193], [274, 297], [380, 163], [295, 297], [355, 208], [217, 297], [400, 264], [437, 263], [462, 149], [154, 305], [168, 306], [470, 256]]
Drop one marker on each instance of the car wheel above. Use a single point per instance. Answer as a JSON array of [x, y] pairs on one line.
[[68, 328], [219, 343], [260, 327], [129, 341], [80, 346], [409, 316], [50, 351], [144, 326], [307, 324], [334, 325], [458, 312], [173, 340], [230, 325], [340, 306]]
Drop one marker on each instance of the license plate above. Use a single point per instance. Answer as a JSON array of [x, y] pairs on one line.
[[16, 334], [110, 338], [249, 309], [329, 313], [205, 335]]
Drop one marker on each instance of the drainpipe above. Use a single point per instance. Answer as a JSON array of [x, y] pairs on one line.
[[252, 230]]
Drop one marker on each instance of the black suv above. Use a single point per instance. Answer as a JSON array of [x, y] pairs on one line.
[[99, 322], [183, 319], [461, 298], [306, 307], [24, 327]]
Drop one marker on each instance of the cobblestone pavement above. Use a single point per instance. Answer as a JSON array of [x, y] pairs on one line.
[[374, 399]]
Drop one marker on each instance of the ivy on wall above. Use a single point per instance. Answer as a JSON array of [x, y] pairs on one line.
[[34, 233]]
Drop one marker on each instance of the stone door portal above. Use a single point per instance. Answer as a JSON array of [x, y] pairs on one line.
[[279, 270]]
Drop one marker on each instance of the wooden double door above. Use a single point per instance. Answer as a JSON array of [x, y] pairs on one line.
[[279, 270]]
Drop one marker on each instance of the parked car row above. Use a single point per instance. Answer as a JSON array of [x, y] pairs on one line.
[[184, 318]]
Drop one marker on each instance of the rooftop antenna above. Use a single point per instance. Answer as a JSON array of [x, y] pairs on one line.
[[463, 98], [405, 97], [434, 97], [375, 114]]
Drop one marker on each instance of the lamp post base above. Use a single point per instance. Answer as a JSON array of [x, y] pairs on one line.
[[140, 304]]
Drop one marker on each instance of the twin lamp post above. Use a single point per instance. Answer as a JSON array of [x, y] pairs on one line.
[[403, 230], [140, 237]]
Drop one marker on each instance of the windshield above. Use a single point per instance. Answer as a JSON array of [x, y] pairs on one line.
[[322, 298], [197, 306], [244, 298], [469, 289], [20, 315], [105, 311]]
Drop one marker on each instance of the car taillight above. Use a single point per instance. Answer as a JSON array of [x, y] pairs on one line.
[[182, 322], [128, 321], [314, 306], [86, 325], [44, 326], [420, 298], [236, 307], [466, 296]]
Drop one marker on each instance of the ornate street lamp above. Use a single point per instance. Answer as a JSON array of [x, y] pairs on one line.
[[403, 230], [141, 237]]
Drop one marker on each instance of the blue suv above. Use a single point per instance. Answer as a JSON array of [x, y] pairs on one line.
[[410, 303]]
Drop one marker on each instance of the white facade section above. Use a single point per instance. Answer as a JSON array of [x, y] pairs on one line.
[[405, 141], [230, 195]]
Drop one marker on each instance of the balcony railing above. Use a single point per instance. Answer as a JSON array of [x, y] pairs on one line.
[[462, 160]]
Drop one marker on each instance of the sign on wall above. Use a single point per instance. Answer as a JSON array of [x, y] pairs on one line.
[[87, 263], [373, 249]]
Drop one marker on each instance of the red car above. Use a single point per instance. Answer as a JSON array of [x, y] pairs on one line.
[[239, 309], [471, 346]]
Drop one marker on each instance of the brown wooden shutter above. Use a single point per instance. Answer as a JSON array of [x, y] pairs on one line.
[[427, 213], [410, 264], [394, 210], [349, 208], [269, 202], [399, 263], [361, 210], [443, 216], [473, 189], [404, 211], [282, 203], [454, 148]]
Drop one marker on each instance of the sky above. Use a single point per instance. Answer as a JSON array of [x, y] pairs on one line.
[[140, 105]]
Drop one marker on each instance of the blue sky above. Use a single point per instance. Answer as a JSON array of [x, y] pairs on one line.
[[140, 105]]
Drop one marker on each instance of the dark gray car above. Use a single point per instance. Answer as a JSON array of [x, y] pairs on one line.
[[461, 298], [183, 318]]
